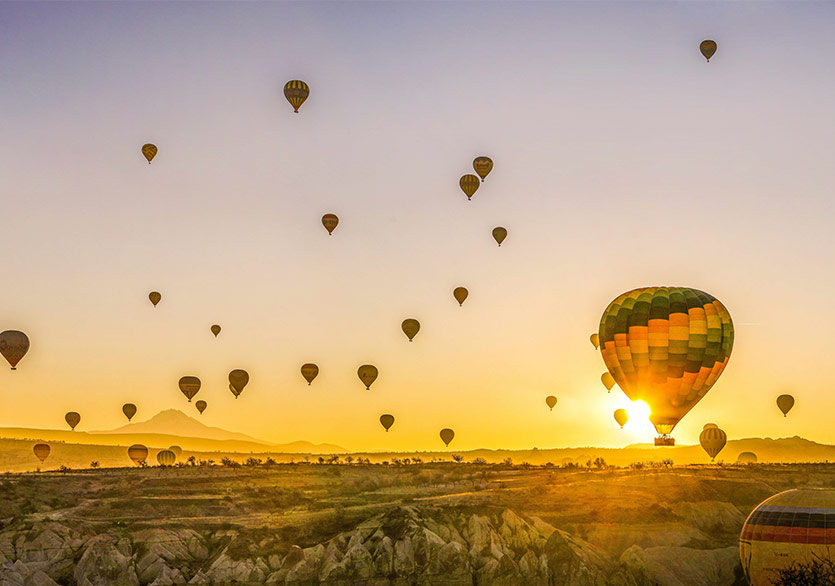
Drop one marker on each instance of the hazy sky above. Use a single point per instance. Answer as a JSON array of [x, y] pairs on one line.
[[622, 159]]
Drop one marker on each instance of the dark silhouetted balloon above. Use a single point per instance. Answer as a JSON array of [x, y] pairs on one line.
[[460, 294], [551, 401], [330, 222], [785, 403], [215, 330], [73, 419], [129, 409], [155, 297], [410, 327], [201, 406], [238, 379], [138, 453], [149, 151], [447, 435], [469, 185], [386, 420], [189, 385], [499, 234], [13, 346], [708, 48], [368, 374], [483, 166], [296, 92], [42, 451], [309, 372]]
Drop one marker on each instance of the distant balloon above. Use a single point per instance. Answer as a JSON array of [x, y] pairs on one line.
[[201, 406], [710, 426], [129, 409], [499, 234], [42, 451], [238, 379], [386, 420], [178, 451], [189, 385], [595, 340], [330, 222], [460, 294], [447, 435], [73, 419], [309, 372], [410, 327], [150, 151], [469, 185], [483, 166], [368, 374], [155, 297], [708, 48], [296, 92], [712, 440], [608, 380], [138, 453], [13, 346], [166, 458], [551, 401], [746, 458], [215, 330], [785, 403], [621, 416]]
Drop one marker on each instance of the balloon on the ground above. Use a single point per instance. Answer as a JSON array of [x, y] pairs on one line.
[[785, 403], [166, 458], [330, 222], [368, 374], [608, 380], [138, 453], [469, 185], [73, 419], [551, 401], [386, 420], [129, 409], [460, 294], [309, 372], [712, 440], [483, 166], [791, 527], [499, 234], [447, 435], [621, 416], [149, 151], [215, 330], [410, 327], [178, 451], [13, 346], [595, 340], [746, 458], [296, 92], [189, 385], [155, 297], [238, 379], [201, 406], [42, 451], [708, 48], [666, 346]]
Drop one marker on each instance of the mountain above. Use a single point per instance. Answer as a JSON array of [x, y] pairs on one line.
[[175, 422]]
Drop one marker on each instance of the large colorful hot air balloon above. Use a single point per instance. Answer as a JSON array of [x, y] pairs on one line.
[[551, 401], [460, 294], [149, 151], [785, 403], [708, 48], [368, 374], [13, 346], [189, 385], [155, 297], [238, 379], [410, 327], [712, 440], [166, 458], [330, 222], [499, 234], [73, 419], [309, 372], [621, 416], [447, 435], [791, 527], [129, 409], [483, 166], [746, 458], [138, 453], [469, 185], [201, 406], [42, 451], [666, 346], [215, 330], [386, 420], [296, 92]]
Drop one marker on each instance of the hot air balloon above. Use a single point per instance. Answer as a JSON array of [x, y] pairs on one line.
[[499, 234], [150, 151], [215, 330], [621, 416], [708, 48], [785, 403], [155, 297], [551, 401], [410, 327], [138, 453], [13, 346], [201, 406], [330, 222], [710, 426], [237, 380], [189, 385], [296, 92], [595, 340], [469, 185], [309, 372], [166, 458], [178, 451], [368, 374], [386, 420], [42, 451], [666, 346], [483, 166], [791, 527], [129, 409], [713, 440], [746, 458], [608, 380], [73, 419], [447, 435], [460, 294]]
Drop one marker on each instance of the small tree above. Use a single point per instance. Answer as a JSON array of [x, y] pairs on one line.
[[94, 464], [817, 572], [192, 461], [349, 459], [458, 458]]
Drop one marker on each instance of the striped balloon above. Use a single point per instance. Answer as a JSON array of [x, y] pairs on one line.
[[296, 92], [666, 346], [712, 440], [469, 184]]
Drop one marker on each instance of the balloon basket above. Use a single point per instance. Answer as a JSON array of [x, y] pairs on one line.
[[665, 441]]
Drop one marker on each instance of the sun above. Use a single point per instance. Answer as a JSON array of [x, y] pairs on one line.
[[638, 411]]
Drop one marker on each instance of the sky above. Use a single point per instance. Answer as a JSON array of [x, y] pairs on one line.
[[622, 159]]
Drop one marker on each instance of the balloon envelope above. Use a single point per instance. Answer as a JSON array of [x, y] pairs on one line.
[[551, 401], [712, 440], [129, 409], [138, 453], [309, 372], [621, 416], [708, 48], [499, 234], [447, 435], [149, 151], [608, 380], [460, 294], [469, 185], [666, 346], [595, 340], [201, 406], [189, 385], [41, 451], [483, 166], [215, 330], [746, 458], [166, 458], [368, 374], [13, 346], [386, 420], [785, 403], [238, 379], [296, 92], [330, 222], [178, 451], [155, 297], [72, 418], [410, 327]]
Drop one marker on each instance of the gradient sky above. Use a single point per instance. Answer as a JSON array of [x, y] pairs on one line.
[[622, 159]]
